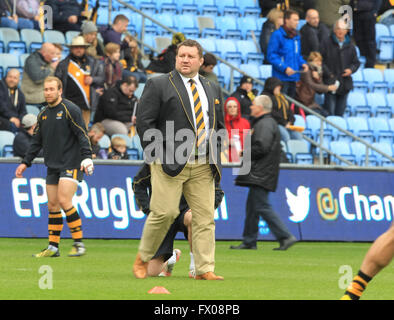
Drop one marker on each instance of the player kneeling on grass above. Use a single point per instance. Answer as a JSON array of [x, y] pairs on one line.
[[162, 263], [61, 133]]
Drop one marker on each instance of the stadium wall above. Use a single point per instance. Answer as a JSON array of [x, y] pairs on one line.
[[316, 203]]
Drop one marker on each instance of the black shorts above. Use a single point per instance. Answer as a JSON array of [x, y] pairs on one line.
[[53, 175], [167, 246]]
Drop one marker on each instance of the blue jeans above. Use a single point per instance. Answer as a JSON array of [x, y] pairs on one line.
[[258, 205], [22, 23], [335, 104], [287, 134]]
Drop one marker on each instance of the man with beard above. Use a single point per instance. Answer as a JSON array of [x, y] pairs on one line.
[[61, 133]]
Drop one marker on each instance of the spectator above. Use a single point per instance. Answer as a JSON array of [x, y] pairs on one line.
[[267, 5], [340, 60], [206, 69], [312, 82], [312, 33], [245, 95], [119, 148], [165, 61], [284, 53], [95, 133], [112, 67], [281, 111], [236, 126], [329, 10], [12, 102], [274, 22], [10, 19], [115, 32], [67, 15], [89, 32], [132, 57], [364, 20], [116, 107], [262, 179], [82, 77], [24, 137], [29, 9], [38, 65], [58, 51]]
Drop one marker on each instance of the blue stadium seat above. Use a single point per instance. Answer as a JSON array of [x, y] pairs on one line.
[[313, 123], [385, 43], [211, 33], [16, 48], [133, 154], [251, 70], [243, 4], [233, 57], [71, 35], [265, 71], [297, 147], [22, 59], [136, 144], [342, 148], [33, 109], [359, 150], [389, 78], [225, 23], [191, 9], [148, 7], [391, 123], [255, 58], [381, 130], [6, 139], [181, 3], [375, 80], [299, 121], [8, 151], [252, 12], [207, 7], [356, 99], [245, 47], [8, 60], [30, 36], [170, 8], [7, 35], [54, 36], [222, 4], [2, 48], [246, 24], [359, 127], [225, 45], [390, 101], [102, 16], [377, 102], [387, 149], [233, 34], [167, 20], [185, 21], [231, 11], [191, 33], [359, 84], [337, 134], [207, 43]]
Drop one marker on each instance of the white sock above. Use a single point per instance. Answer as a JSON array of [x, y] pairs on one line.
[[191, 266], [52, 248], [172, 260]]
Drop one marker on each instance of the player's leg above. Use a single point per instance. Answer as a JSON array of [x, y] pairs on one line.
[[378, 257], [187, 221], [66, 190], [156, 266]]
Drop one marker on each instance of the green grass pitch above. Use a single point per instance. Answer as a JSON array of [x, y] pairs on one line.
[[307, 271]]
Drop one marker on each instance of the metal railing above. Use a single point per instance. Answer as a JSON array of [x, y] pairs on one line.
[[233, 68]]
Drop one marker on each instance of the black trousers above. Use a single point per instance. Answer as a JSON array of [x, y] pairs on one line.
[[365, 34]]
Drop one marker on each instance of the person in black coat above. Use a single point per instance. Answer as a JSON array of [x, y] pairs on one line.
[[116, 109], [265, 152], [340, 62], [67, 14], [312, 33], [12, 102], [24, 137], [274, 21], [245, 95], [364, 20]]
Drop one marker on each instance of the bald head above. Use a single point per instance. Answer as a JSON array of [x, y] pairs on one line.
[[312, 17], [12, 78], [48, 51]]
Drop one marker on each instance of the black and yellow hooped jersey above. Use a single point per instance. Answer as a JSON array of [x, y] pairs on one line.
[[61, 133]]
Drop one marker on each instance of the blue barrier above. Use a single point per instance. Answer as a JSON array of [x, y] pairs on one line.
[[327, 205]]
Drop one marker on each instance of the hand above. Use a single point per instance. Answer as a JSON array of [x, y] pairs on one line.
[[287, 125], [289, 71], [332, 88], [54, 64], [15, 121], [100, 91], [72, 19], [88, 80], [347, 73], [19, 170], [87, 166], [315, 75], [133, 120], [305, 67]]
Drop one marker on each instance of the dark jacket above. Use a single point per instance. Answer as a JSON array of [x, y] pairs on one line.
[[7, 108], [164, 62], [242, 96], [143, 191], [62, 10], [96, 72], [265, 155], [267, 29], [116, 155], [61, 133], [365, 5], [164, 100], [22, 143], [311, 38], [110, 35], [281, 110], [115, 105], [336, 60]]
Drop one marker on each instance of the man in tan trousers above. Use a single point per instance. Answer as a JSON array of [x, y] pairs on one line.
[[180, 111]]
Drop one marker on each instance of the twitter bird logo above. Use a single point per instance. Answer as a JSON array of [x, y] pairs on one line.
[[299, 204]]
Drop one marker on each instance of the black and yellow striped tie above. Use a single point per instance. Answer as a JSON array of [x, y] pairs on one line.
[[200, 124]]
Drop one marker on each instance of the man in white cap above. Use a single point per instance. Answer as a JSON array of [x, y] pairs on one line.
[[82, 77], [24, 137]]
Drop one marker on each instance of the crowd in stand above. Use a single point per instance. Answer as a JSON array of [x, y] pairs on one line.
[[102, 76]]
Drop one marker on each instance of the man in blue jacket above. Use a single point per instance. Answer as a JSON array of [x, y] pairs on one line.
[[284, 53]]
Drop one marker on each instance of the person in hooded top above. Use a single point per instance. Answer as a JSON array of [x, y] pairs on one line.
[[236, 126], [281, 110]]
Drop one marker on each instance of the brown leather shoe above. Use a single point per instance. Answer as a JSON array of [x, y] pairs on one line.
[[208, 276], [140, 268]]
